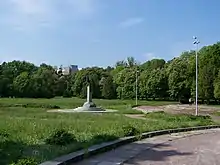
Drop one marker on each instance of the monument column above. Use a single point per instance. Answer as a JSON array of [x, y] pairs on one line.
[[88, 105], [89, 97]]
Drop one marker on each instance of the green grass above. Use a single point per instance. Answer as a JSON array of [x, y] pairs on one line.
[[216, 113], [75, 102], [125, 106], [23, 130]]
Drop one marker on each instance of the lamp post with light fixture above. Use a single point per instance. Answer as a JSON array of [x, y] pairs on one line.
[[136, 89], [196, 42]]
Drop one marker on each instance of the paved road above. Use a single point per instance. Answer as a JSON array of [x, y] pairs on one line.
[[192, 148]]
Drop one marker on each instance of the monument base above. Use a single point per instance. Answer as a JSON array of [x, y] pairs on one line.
[[87, 109], [81, 110], [89, 104]]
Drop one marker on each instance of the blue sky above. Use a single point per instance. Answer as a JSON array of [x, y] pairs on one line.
[[101, 32]]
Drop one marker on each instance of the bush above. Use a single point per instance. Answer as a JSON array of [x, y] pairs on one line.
[[47, 106], [134, 106], [67, 94], [184, 101], [200, 118], [130, 131], [4, 134], [60, 137], [26, 161], [30, 105], [103, 138]]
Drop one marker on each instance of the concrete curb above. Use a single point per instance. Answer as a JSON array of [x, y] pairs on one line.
[[100, 148]]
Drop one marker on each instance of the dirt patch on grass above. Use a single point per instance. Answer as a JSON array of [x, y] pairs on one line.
[[136, 116], [179, 109]]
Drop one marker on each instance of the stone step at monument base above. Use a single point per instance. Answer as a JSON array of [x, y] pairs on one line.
[[78, 110], [88, 108], [89, 105]]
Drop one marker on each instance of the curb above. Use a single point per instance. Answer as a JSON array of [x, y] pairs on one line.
[[107, 146]]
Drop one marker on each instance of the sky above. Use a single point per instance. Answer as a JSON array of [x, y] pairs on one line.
[[102, 32]]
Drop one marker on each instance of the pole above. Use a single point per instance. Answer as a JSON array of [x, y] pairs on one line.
[[196, 79], [197, 43], [136, 87]]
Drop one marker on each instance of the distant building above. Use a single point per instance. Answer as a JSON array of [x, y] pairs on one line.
[[74, 68], [55, 68], [67, 70]]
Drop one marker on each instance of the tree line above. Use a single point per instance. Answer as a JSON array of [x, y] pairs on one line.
[[156, 79]]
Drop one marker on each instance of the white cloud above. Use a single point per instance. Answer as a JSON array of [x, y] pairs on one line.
[[131, 22], [25, 14], [150, 56], [31, 14], [30, 6], [83, 6]]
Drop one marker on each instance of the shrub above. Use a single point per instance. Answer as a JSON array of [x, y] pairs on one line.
[[26, 161], [130, 131], [103, 138], [60, 137], [31, 105], [4, 134], [134, 106], [67, 93], [47, 106]]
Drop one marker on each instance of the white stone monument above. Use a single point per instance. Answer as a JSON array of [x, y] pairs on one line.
[[89, 105]]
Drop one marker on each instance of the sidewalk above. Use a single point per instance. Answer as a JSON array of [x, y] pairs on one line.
[[159, 150]]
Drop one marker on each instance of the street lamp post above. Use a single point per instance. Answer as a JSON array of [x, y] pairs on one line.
[[136, 87], [196, 42]]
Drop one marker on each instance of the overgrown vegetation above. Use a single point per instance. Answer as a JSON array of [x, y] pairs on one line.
[[60, 137], [130, 131], [30, 133], [26, 161]]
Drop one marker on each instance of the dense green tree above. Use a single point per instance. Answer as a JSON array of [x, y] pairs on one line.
[[84, 77], [156, 78], [206, 83], [125, 82], [108, 90], [217, 87], [177, 71], [43, 83], [9, 71], [209, 65], [157, 84], [21, 85], [142, 85], [5, 86], [153, 64]]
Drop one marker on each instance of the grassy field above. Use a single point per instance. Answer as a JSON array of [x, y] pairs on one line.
[[25, 125], [123, 105]]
